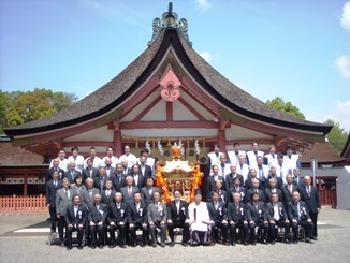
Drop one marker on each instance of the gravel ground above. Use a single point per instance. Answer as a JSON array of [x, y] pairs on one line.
[[333, 246]]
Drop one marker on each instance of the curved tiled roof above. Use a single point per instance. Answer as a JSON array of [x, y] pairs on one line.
[[114, 92]]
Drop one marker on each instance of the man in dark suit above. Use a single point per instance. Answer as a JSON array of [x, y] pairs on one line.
[[51, 188], [222, 193], [253, 175], [310, 195], [237, 219], [287, 191], [211, 181], [156, 214], [256, 217], [232, 176], [77, 214], [90, 171], [119, 178], [218, 215], [148, 191], [129, 190], [298, 180], [139, 179], [138, 219], [109, 169], [255, 189], [272, 189], [236, 188], [118, 217], [97, 221], [178, 218], [145, 169], [299, 215], [277, 216], [63, 201], [99, 181], [72, 172], [55, 167], [273, 174], [108, 193]]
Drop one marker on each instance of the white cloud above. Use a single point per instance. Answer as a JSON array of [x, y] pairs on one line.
[[207, 56], [345, 17], [340, 113], [202, 4], [343, 66]]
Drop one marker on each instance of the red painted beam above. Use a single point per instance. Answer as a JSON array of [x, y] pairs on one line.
[[167, 124]]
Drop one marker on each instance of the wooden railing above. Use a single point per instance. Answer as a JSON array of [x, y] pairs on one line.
[[328, 197], [21, 203]]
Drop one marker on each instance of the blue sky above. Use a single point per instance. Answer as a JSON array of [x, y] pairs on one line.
[[298, 50]]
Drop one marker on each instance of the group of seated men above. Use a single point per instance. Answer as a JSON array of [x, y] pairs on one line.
[[110, 196]]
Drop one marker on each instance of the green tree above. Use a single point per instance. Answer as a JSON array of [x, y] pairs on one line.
[[286, 107], [338, 136], [19, 107]]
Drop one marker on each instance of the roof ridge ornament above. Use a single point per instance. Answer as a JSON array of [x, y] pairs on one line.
[[169, 20]]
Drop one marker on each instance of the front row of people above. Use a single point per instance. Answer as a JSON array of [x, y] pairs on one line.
[[202, 223]]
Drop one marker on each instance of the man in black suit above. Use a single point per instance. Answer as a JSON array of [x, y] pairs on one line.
[[51, 188], [97, 221], [255, 189], [272, 189], [299, 215], [237, 219], [277, 216], [119, 179], [211, 181], [148, 191], [55, 167], [108, 193], [222, 193], [256, 217], [232, 176], [118, 217], [72, 172], [178, 218], [77, 214], [287, 191], [253, 175], [310, 195], [237, 188], [138, 219], [218, 216], [139, 179], [109, 169], [145, 169], [99, 181], [273, 174], [90, 171]]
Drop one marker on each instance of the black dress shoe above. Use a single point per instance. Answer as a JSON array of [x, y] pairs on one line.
[[123, 246], [161, 244], [172, 243], [307, 240], [143, 245], [93, 246], [246, 243], [69, 247], [185, 244], [154, 245], [80, 247], [273, 242], [314, 238]]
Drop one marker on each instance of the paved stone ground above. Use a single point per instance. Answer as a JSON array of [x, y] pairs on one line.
[[333, 246]]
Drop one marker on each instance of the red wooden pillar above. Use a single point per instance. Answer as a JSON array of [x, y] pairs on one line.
[[169, 110], [221, 134], [117, 141]]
